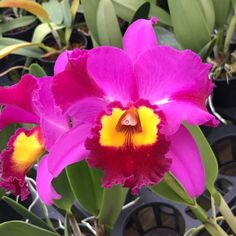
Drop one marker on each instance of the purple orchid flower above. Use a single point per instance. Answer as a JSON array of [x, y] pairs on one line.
[[28, 101], [127, 108]]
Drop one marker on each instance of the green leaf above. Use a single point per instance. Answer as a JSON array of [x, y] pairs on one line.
[[207, 49], [67, 14], [126, 9], [107, 25], [142, 12], [28, 5], [13, 48], [189, 24], [8, 45], [34, 219], [90, 11], [16, 23], [54, 10], [162, 16], [43, 30], [36, 70], [5, 135], [171, 189], [86, 186], [234, 6], [112, 203], [208, 156], [222, 11], [62, 186], [16, 228], [209, 13], [165, 37]]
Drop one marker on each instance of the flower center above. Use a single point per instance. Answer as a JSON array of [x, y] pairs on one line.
[[133, 127]]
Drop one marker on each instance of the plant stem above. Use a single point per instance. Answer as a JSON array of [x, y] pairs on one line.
[[74, 225], [227, 213], [210, 225]]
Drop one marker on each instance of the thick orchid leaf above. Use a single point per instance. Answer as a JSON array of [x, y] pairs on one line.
[[209, 13], [54, 10], [90, 11], [34, 219], [222, 11], [207, 49], [13, 48], [36, 70], [189, 24], [142, 12], [16, 228], [62, 187], [162, 16], [234, 6], [16, 23], [67, 14], [86, 186], [74, 8], [28, 5], [5, 135], [34, 52], [107, 25], [43, 30], [165, 37], [126, 9], [112, 203], [171, 189], [208, 156]]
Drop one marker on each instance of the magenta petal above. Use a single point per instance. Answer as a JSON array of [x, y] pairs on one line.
[[139, 37], [52, 121], [61, 62], [44, 183], [20, 94], [187, 165], [112, 70], [166, 73], [178, 111], [74, 82], [86, 110], [68, 149], [12, 114]]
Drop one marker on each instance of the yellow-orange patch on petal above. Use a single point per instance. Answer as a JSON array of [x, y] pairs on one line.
[[27, 150], [146, 134]]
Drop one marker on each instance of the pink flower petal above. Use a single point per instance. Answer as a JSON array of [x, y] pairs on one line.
[[44, 183], [68, 149], [11, 114], [61, 62], [178, 82], [178, 111], [112, 70], [86, 110], [187, 165], [52, 121], [19, 94], [164, 72], [74, 82], [139, 37]]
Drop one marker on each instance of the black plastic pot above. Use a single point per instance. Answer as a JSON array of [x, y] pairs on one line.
[[25, 33], [224, 98], [48, 65]]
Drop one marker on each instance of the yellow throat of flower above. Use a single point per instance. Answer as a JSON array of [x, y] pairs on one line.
[[27, 150], [133, 127]]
